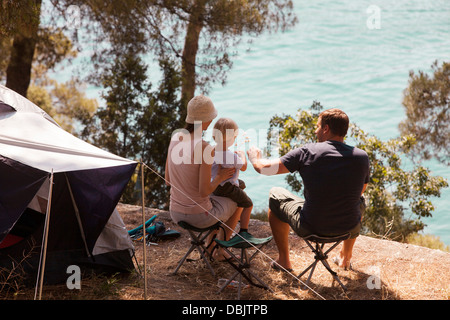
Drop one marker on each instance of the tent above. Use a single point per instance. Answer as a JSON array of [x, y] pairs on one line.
[[84, 228]]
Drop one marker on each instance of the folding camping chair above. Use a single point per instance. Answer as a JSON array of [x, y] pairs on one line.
[[198, 236], [316, 244], [243, 241]]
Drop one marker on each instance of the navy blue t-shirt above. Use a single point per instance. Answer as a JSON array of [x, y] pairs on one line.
[[333, 175]]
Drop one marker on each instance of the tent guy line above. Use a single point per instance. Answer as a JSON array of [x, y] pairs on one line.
[[263, 253]]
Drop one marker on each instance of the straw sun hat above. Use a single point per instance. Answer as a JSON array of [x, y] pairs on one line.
[[200, 108]]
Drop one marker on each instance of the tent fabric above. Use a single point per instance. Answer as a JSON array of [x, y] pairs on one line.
[[12, 100], [19, 183], [4, 108], [87, 185], [113, 237], [97, 193], [53, 149]]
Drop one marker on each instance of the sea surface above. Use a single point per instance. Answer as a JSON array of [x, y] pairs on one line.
[[354, 55]]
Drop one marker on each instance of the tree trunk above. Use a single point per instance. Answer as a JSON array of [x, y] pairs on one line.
[[190, 50], [18, 73]]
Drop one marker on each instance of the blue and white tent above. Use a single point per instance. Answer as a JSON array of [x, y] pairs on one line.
[[84, 227]]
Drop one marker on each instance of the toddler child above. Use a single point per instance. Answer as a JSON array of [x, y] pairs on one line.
[[225, 133]]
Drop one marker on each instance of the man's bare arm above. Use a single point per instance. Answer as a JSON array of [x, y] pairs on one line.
[[266, 167]]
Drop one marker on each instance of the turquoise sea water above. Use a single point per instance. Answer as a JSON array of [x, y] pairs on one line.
[[340, 54], [332, 56]]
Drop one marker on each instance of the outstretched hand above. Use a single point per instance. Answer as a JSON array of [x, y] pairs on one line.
[[254, 153], [240, 153]]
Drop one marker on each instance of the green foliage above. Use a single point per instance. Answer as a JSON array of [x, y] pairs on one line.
[[426, 240], [260, 214], [398, 188], [17, 16], [162, 29], [191, 42], [52, 47], [427, 106], [65, 102], [137, 123], [161, 117], [71, 106], [40, 96], [126, 91]]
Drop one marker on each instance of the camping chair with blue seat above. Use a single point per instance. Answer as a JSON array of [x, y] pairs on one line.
[[316, 244], [241, 264], [198, 237]]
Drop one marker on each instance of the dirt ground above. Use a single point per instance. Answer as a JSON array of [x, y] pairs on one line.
[[381, 270]]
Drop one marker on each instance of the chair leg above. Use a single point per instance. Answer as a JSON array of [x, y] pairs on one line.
[[201, 249], [184, 258], [242, 267], [322, 257], [334, 274], [312, 266], [240, 286], [327, 265], [197, 242]]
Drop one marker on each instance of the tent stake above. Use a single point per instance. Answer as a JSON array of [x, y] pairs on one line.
[[44, 242], [144, 242]]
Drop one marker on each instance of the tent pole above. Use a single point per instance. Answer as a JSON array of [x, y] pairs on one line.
[[144, 241], [77, 214], [44, 242]]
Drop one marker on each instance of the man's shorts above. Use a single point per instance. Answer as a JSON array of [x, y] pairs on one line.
[[287, 206]]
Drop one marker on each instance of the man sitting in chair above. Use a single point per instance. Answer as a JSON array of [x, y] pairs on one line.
[[334, 175]]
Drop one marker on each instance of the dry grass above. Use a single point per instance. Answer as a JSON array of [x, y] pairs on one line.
[[405, 272]]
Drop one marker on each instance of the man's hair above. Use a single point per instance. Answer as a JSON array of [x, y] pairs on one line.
[[224, 126], [336, 120]]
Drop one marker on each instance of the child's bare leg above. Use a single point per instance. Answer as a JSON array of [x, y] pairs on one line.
[[229, 227], [245, 217]]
